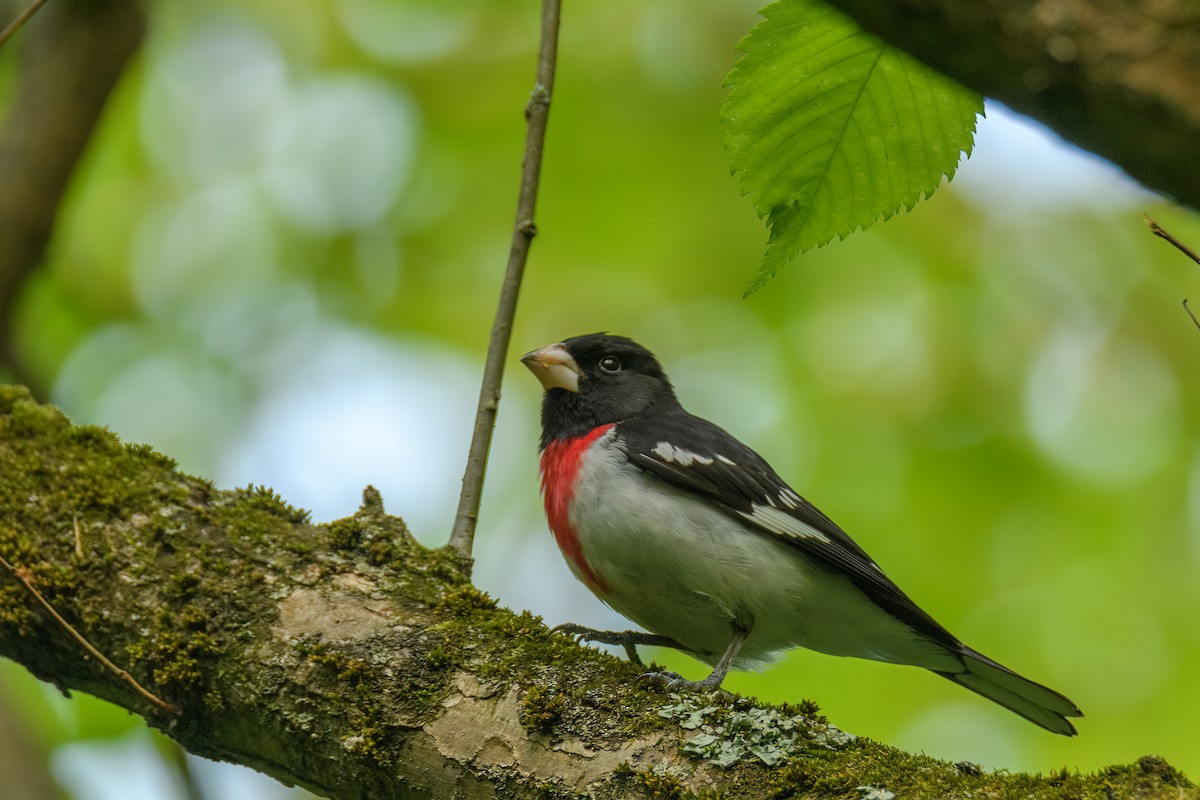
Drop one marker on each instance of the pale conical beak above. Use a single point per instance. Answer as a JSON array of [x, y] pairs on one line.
[[553, 367]]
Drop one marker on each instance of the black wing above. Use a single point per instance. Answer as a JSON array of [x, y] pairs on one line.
[[693, 454]]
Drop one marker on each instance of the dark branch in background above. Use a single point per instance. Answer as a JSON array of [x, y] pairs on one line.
[[537, 112], [21, 19], [26, 772], [1118, 77], [71, 56], [1161, 233]]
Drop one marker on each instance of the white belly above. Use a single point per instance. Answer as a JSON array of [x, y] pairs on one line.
[[679, 567]]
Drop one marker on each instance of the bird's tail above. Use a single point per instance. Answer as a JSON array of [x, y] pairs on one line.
[[1038, 704]]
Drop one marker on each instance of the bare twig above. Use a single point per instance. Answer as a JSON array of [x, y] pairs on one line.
[[21, 19], [1161, 233], [1190, 314], [536, 114], [85, 644]]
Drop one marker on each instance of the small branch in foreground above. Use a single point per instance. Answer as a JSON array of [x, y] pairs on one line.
[[1161, 233], [85, 644], [21, 19], [1190, 314], [537, 112]]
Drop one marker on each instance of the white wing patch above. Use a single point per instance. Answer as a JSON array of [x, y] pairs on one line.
[[789, 498], [677, 455], [725, 460], [783, 523]]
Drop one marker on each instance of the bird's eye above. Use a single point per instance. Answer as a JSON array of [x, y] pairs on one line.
[[610, 365]]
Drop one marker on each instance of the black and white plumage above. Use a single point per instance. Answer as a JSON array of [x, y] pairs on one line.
[[683, 529]]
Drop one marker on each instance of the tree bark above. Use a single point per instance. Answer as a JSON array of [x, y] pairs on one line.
[[72, 52], [350, 660], [1118, 77]]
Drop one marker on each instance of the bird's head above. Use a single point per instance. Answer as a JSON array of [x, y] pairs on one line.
[[595, 380]]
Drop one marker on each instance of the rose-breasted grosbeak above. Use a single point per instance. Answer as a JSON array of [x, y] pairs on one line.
[[688, 532]]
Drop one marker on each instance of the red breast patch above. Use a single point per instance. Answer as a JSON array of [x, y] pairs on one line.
[[560, 467]]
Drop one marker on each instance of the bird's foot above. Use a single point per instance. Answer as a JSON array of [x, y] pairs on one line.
[[627, 639], [674, 682]]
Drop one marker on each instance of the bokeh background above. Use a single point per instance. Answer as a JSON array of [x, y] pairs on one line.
[[279, 263]]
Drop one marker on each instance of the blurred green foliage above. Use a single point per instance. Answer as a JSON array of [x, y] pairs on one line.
[[989, 393]]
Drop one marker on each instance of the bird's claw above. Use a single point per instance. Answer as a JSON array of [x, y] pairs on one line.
[[627, 639], [674, 682], [667, 680], [570, 629], [580, 634]]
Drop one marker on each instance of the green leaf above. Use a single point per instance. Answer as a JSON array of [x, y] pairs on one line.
[[830, 129]]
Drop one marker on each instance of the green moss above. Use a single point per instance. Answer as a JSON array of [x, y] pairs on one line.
[[361, 535], [659, 784], [148, 453], [91, 475], [178, 660], [214, 703], [183, 586], [349, 670], [464, 599], [440, 658], [51, 580], [804, 708], [27, 419], [867, 769], [268, 500], [1147, 773], [541, 709], [193, 618], [344, 534], [370, 740], [791, 780], [665, 783]]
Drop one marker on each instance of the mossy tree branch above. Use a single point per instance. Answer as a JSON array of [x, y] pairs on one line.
[[350, 660], [1118, 77]]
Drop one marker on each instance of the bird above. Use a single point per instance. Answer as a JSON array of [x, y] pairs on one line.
[[678, 526]]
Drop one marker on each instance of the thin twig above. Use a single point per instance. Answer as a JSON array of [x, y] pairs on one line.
[[21, 19], [85, 644], [78, 537], [1161, 233], [536, 113], [1190, 314]]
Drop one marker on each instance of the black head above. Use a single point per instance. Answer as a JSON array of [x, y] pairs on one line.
[[594, 380]]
